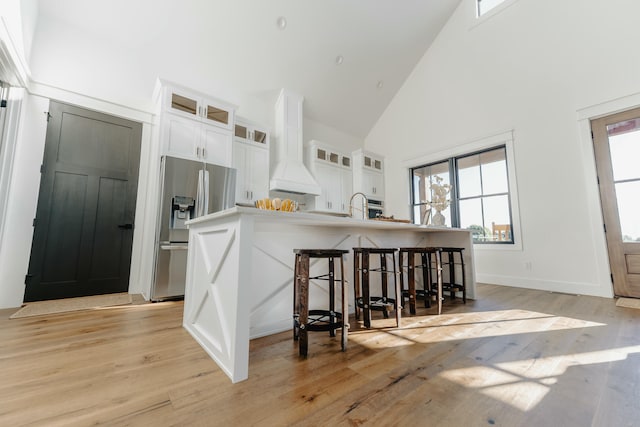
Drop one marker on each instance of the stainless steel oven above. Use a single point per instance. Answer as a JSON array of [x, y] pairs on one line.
[[375, 208]]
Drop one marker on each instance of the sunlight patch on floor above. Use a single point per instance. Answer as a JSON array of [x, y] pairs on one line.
[[456, 326], [520, 384]]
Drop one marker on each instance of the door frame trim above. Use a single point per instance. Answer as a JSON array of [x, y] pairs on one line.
[[8, 145], [141, 270], [142, 252], [590, 175]]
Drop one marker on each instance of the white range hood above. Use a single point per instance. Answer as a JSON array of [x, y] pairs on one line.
[[289, 172]]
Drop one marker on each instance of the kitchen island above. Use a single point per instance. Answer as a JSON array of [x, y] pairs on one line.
[[240, 271]]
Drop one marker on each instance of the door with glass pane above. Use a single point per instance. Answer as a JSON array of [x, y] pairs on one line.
[[616, 142]]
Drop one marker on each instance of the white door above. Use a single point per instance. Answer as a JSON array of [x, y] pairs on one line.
[[330, 181], [215, 145], [347, 189], [373, 184], [240, 152], [180, 136], [259, 166]]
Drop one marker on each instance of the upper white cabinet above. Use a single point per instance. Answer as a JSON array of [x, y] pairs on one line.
[[194, 126], [251, 159], [193, 105], [246, 131], [368, 174], [189, 139], [333, 172]]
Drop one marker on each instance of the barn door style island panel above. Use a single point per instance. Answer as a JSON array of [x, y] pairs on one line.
[[240, 271]]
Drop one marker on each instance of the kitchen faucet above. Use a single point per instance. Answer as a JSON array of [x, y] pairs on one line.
[[365, 210]]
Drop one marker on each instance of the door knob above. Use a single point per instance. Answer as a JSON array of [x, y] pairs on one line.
[[125, 226]]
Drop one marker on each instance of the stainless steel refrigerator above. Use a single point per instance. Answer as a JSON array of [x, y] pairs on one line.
[[189, 189]]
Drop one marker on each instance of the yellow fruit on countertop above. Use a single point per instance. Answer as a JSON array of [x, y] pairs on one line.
[[286, 205]]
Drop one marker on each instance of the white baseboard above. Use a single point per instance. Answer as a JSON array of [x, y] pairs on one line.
[[577, 288]]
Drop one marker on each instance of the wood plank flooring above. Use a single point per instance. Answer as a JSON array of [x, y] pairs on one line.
[[514, 357]]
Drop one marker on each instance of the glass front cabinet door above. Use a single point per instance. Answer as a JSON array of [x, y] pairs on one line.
[[199, 107]]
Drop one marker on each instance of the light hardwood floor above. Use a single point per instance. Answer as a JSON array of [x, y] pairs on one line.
[[513, 357]]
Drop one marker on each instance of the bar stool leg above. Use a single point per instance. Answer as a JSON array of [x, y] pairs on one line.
[[426, 277], [345, 307], [439, 279], [296, 303], [303, 271], [400, 263], [412, 282], [385, 284], [398, 291], [356, 283], [464, 283], [366, 295], [452, 275], [332, 297]]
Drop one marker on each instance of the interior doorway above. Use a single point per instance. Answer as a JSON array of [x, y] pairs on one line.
[[616, 142], [83, 230]]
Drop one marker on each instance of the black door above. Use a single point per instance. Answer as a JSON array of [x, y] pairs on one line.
[[84, 220]]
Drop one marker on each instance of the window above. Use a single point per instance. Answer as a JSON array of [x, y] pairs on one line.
[[470, 191], [485, 6], [425, 180]]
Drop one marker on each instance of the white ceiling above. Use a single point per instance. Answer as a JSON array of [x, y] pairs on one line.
[[380, 41]]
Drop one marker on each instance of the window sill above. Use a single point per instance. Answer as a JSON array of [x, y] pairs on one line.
[[498, 247]]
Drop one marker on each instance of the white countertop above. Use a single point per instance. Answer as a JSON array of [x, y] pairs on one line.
[[307, 218]]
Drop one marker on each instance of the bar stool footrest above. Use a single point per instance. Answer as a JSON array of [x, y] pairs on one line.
[[378, 303], [419, 293], [320, 320]]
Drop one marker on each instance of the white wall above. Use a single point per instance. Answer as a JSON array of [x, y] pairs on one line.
[[17, 27], [341, 140], [530, 69], [15, 246]]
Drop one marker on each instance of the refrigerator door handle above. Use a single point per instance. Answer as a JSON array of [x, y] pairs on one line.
[[199, 194], [174, 247], [205, 191]]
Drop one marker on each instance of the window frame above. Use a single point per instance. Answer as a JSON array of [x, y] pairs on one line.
[[491, 12], [478, 11], [505, 139], [452, 208], [483, 196]]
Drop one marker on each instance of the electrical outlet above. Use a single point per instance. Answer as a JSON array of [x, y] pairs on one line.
[[527, 265]]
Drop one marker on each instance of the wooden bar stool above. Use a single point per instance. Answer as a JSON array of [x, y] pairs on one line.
[[361, 271], [455, 283], [305, 320], [427, 273]]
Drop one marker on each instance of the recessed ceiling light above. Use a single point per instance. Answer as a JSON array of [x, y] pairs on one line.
[[339, 59], [380, 84], [281, 22]]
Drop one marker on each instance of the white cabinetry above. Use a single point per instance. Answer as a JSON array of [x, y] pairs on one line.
[[193, 105], [368, 174], [347, 185], [333, 172], [251, 159], [246, 131], [194, 126], [190, 139]]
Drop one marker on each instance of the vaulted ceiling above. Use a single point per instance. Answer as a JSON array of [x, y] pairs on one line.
[[347, 57]]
